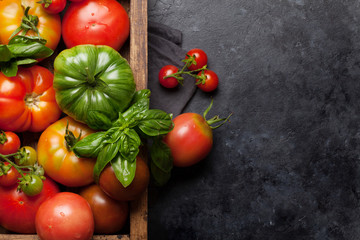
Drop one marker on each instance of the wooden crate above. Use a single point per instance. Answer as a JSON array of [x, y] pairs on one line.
[[135, 51]]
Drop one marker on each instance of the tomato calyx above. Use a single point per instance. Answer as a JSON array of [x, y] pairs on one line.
[[70, 138], [45, 2], [28, 22], [215, 119], [3, 137]]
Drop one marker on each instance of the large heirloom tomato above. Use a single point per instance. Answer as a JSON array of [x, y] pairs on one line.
[[27, 101], [17, 210], [98, 22], [91, 80], [12, 14], [57, 158]]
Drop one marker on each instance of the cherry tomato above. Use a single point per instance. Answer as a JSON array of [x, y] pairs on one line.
[[30, 157], [198, 56], [53, 6], [9, 143], [11, 17], [112, 186], [191, 139], [27, 101], [17, 210], [65, 216], [11, 176], [210, 81], [169, 82], [31, 185], [109, 215], [98, 22], [56, 157]]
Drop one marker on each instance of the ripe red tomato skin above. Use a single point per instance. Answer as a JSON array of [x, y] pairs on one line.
[[112, 187], [17, 211], [200, 58], [109, 215], [56, 6], [98, 22], [211, 82], [12, 144], [66, 215], [167, 70], [190, 141], [11, 177]]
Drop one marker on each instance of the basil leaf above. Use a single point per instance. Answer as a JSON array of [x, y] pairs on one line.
[[90, 145], [155, 122], [124, 170], [160, 177], [134, 113], [30, 50], [141, 94], [160, 155], [105, 156], [98, 120], [5, 53], [26, 61], [9, 69], [129, 144]]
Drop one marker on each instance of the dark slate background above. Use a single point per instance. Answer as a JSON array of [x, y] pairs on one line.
[[287, 166]]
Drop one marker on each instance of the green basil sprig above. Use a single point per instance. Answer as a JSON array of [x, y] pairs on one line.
[[22, 50], [120, 141]]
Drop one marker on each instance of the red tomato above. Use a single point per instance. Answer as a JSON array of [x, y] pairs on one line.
[[112, 186], [210, 83], [10, 178], [169, 82], [17, 210], [197, 55], [27, 101], [53, 6], [57, 159], [98, 22], [65, 216], [11, 17], [11, 144], [109, 215], [191, 139]]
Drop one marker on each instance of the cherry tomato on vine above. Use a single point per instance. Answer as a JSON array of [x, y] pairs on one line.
[[169, 82], [197, 57], [11, 176], [209, 80], [9, 143], [65, 216], [53, 6], [112, 186], [28, 158], [109, 215], [17, 210], [31, 185]]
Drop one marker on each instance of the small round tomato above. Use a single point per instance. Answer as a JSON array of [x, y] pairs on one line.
[[198, 58], [209, 80], [65, 216], [168, 82], [112, 186], [11, 176], [17, 210], [109, 215], [53, 6], [31, 185], [98, 22], [58, 160], [27, 101], [9, 143], [30, 156], [191, 139]]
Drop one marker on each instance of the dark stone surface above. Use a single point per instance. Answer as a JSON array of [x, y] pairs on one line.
[[287, 166]]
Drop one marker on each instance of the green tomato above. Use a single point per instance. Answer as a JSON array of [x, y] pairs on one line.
[[28, 156], [92, 80], [31, 185]]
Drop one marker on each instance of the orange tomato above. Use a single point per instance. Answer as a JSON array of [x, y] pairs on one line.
[[57, 159], [12, 12]]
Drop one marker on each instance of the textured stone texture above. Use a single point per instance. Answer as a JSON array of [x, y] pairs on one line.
[[287, 166]]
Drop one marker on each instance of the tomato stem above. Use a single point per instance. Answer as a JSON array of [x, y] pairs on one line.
[[3, 137], [215, 119]]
